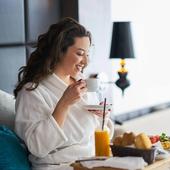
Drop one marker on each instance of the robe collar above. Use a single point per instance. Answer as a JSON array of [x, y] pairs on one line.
[[55, 84]]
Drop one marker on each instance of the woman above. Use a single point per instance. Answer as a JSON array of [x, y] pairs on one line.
[[49, 101]]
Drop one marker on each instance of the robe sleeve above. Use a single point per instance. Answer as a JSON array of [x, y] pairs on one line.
[[35, 124]]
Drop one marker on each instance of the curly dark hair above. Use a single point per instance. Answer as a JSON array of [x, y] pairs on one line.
[[50, 48]]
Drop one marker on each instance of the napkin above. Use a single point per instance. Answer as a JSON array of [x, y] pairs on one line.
[[160, 153], [55, 167], [129, 162]]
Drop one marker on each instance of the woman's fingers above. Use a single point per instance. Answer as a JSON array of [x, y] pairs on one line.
[[79, 84], [98, 112], [74, 92]]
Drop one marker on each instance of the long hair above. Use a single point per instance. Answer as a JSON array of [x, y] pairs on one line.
[[50, 48]]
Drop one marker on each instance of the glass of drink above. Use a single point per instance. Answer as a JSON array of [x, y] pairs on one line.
[[102, 143]]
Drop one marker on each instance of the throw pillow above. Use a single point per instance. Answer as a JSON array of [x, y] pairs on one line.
[[13, 156]]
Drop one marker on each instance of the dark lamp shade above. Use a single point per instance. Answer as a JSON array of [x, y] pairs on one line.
[[121, 45]]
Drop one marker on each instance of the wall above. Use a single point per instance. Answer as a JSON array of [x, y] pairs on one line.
[[21, 22], [149, 72]]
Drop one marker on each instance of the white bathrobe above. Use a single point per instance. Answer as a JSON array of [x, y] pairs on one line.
[[47, 142]]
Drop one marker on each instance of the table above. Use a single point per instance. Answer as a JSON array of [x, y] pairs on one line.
[[157, 165], [160, 165]]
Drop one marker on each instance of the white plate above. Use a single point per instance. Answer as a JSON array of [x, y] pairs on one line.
[[96, 107]]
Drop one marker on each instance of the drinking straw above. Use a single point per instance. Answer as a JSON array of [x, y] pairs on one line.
[[104, 109]]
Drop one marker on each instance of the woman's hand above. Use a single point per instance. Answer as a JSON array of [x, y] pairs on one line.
[[100, 112], [71, 95], [74, 92]]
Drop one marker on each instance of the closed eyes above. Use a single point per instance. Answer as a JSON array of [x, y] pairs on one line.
[[82, 53]]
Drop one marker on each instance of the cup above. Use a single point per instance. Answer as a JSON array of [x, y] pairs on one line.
[[92, 84], [102, 143]]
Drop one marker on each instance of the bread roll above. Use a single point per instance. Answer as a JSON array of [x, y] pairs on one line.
[[128, 139], [118, 141], [142, 141]]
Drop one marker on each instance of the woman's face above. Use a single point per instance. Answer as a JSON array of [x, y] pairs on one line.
[[76, 57]]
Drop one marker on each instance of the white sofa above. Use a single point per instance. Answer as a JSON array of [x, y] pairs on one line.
[[13, 153], [7, 109], [152, 124]]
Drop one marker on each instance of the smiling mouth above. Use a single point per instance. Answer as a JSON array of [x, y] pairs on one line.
[[80, 68]]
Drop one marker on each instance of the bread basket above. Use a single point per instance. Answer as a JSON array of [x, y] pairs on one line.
[[147, 154]]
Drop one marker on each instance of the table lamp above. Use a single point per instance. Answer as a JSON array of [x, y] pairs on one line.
[[122, 47]]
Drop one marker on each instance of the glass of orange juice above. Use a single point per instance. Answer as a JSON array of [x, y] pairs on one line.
[[102, 143]]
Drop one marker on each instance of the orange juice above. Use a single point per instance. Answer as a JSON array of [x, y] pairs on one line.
[[102, 143]]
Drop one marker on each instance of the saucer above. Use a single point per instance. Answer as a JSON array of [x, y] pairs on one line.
[[96, 107]]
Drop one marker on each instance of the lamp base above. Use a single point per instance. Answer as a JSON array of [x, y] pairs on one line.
[[122, 82]]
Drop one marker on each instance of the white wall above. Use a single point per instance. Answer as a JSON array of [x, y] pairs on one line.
[[149, 71]]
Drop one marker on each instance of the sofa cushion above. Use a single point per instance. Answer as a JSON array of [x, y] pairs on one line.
[[7, 109], [13, 155]]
